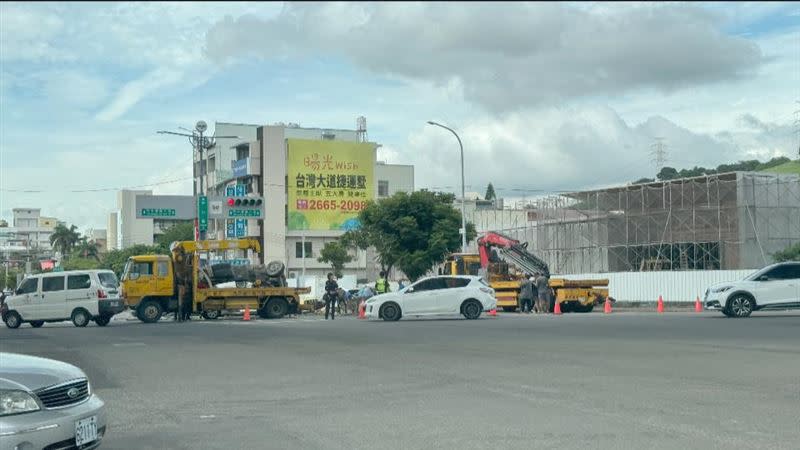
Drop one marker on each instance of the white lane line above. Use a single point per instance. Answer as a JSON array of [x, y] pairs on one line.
[[129, 344]]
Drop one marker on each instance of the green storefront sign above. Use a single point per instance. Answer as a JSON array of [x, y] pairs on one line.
[[157, 212], [244, 213]]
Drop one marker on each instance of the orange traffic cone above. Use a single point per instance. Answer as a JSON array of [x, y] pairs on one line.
[[557, 310], [698, 307], [246, 312], [607, 306], [493, 312], [660, 307]]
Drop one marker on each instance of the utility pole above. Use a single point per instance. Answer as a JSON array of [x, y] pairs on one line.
[[199, 143], [659, 152]]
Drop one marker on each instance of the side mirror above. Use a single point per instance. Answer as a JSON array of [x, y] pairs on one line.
[[409, 290], [763, 278]]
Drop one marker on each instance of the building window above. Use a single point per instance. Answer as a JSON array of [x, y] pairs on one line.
[[298, 250], [212, 163], [383, 188]]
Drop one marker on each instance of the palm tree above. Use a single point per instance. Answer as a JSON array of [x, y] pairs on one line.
[[64, 239], [88, 249]]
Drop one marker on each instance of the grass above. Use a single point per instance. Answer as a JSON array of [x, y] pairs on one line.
[[789, 167]]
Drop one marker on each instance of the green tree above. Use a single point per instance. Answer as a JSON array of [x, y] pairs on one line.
[[791, 253], [86, 249], [412, 231], [64, 239], [667, 173], [182, 231], [490, 195], [76, 262], [335, 254]]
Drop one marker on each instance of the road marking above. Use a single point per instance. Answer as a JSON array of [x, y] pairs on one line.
[[129, 344], [210, 416]]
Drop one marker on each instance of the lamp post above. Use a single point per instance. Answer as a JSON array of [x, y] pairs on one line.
[[463, 196], [199, 142]]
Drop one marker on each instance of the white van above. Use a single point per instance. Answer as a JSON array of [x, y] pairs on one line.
[[77, 295]]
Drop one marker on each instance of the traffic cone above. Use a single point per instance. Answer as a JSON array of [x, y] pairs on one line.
[[246, 313], [493, 312], [698, 307], [660, 307], [607, 306], [557, 310]]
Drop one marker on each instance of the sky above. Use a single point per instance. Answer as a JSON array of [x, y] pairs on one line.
[[546, 97]]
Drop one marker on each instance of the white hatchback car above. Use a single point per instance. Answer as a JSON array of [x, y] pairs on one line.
[[446, 295], [773, 287], [77, 295]]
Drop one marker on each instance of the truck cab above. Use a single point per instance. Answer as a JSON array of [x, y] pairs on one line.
[[150, 276]]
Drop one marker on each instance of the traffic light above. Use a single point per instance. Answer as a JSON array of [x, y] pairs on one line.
[[245, 202]]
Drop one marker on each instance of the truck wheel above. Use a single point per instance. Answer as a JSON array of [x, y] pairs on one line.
[[276, 307], [210, 314], [584, 308], [37, 323], [509, 308], [12, 319], [274, 268], [150, 311], [80, 318], [102, 320]]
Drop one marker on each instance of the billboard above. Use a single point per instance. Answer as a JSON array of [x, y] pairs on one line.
[[330, 182]]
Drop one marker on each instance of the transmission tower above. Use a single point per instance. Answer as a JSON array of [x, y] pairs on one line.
[[658, 150]]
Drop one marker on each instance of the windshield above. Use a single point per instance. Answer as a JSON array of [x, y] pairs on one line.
[[127, 270], [108, 279]]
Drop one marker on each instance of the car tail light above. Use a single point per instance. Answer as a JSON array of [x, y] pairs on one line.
[[101, 294]]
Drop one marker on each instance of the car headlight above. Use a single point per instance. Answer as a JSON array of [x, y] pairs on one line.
[[16, 402], [722, 289]]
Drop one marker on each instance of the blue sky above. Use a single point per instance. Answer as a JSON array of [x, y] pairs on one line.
[[546, 97]]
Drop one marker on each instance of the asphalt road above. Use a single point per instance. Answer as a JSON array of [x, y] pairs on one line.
[[624, 381]]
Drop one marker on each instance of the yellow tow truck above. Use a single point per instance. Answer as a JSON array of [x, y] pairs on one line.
[[150, 283], [505, 262]]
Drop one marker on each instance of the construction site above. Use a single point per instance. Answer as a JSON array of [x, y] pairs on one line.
[[734, 220]]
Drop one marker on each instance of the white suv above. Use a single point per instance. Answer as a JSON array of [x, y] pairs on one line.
[[450, 295], [773, 287]]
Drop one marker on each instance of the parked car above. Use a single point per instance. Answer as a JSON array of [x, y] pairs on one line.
[[443, 295], [77, 295], [47, 404], [774, 287]]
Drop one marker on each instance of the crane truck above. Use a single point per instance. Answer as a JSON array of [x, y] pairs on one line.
[[505, 262], [152, 284]]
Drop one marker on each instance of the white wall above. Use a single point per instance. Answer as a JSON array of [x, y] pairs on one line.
[[400, 177], [131, 230], [673, 286]]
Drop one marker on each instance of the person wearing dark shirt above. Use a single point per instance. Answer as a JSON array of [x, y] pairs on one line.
[[331, 293]]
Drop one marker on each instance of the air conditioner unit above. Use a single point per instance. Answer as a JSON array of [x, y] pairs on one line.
[[293, 275]]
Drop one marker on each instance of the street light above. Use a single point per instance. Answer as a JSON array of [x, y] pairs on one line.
[[463, 196], [199, 142]]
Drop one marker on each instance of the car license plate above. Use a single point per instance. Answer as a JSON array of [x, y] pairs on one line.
[[85, 431]]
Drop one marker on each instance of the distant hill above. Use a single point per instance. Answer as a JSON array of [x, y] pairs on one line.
[[775, 165], [789, 167]]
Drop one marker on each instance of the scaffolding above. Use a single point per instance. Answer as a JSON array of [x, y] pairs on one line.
[[733, 220]]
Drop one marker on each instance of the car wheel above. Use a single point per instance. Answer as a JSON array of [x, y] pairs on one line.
[[102, 320], [12, 319], [211, 314], [390, 312], [80, 318], [275, 308], [741, 306], [37, 323], [150, 311], [471, 309]]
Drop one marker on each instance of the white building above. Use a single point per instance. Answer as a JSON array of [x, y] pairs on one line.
[[29, 234], [259, 160], [126, 230]]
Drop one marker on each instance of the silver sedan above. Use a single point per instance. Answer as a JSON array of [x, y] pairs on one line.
[[47, 403]]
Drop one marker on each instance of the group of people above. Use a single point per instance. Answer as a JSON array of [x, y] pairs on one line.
[[535, 294], [336, 296]]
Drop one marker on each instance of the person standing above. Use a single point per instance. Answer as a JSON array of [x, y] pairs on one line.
[[525, 295], [543, 291], [381, 284], [331, 293]]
